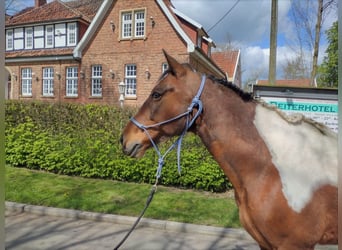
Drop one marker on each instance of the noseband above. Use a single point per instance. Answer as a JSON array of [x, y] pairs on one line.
[[196, 103]]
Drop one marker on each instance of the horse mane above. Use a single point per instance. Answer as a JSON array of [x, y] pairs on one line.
[[244, 95], [298, 118], [295, 118]]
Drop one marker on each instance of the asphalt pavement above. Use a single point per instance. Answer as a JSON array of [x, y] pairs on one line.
[[30, 227]]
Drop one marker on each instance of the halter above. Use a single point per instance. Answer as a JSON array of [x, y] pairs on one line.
[[196, 102]]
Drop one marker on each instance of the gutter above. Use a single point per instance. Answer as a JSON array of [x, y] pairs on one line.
[[38, 59], [199, 55], [89, 34]]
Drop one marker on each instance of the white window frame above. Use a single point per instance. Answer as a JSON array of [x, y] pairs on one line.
[[48, 83], [29, 38], [139, 23], [9, 39], [71, 82], [131, 80], [71, 34], [165, 66], [127, 25], [133, 24], [26, 82], [49, 36], [96, 80]]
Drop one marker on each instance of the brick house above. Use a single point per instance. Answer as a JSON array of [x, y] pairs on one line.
[[230, 62], [80, 51]]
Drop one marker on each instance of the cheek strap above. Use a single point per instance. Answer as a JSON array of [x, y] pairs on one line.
[[196, 103]]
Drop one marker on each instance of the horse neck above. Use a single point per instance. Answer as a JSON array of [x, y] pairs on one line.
[[227, 130]]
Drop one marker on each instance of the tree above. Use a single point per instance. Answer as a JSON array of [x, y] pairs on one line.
[[328, 71], [295, 68], [316, 42], [308, 17]]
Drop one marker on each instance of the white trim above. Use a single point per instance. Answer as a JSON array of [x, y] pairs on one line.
[[236, 66], [186, 18], [190, 44], [89, 34]]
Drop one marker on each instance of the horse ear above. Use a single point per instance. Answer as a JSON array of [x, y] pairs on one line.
[[175, 67]]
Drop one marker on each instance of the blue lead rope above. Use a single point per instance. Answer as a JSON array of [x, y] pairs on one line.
[[196, 103]]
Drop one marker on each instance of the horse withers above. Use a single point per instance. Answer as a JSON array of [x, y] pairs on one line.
[[283, 169]]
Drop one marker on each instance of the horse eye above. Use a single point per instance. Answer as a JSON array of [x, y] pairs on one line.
[[156, 95]]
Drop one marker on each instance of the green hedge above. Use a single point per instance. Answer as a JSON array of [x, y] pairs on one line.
[[83, 140]]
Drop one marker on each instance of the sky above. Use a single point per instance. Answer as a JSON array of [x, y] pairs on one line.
[[245, 25]]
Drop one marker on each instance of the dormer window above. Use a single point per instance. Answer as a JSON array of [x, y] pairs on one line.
[[9, 39], [72, 31], [133, 24], [29, 38], [42, 36], [49, 36]]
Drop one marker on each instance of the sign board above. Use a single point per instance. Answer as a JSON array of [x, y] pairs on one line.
[[319, 105]]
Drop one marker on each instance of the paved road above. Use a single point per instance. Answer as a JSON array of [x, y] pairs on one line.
[[37, 228]]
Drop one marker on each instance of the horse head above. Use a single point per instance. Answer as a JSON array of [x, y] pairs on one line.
[[170, 97]]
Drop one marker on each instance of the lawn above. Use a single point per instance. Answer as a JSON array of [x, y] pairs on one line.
[[113, 197]]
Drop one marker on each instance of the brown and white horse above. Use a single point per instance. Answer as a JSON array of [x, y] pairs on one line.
[[284, 170]]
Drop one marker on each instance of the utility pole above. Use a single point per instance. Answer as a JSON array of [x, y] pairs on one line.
[[273, 43]]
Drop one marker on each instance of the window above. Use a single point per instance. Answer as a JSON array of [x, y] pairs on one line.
[[49, 36], [28, 38], [133, 24], [131, 80], [199, 40], [71, 87], [71, 34], [96, 80], [139, 24], [165, 66], [47, 81], [19, 38], [9, 39], [126, 25], [26, 81]]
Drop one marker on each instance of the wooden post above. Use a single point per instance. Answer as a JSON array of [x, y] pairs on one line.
[[273, 43]]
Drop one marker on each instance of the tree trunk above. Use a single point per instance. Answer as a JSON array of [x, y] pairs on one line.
[[316, 45]]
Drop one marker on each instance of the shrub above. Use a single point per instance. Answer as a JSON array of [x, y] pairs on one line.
[[83, 140]]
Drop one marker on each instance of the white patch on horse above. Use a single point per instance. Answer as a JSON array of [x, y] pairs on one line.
[[305, 158]]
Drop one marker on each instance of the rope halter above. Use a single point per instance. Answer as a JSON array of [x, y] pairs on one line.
[[196, 103]]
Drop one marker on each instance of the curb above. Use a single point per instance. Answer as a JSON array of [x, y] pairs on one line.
[[238, 234]]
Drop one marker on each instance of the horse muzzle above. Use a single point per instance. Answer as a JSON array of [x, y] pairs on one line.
[[133, 148]]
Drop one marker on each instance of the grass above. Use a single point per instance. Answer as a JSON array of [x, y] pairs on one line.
[[106, 196]]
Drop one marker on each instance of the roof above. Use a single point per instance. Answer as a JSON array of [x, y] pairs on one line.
[[227, 61], [165, 6], [36, 53], [55, 11], [305, 82]]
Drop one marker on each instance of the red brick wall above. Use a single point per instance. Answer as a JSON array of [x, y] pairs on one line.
[[107, 49], [37, 84], [113, 53]]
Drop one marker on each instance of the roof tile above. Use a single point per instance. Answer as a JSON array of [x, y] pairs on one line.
[[57, 10], [305, 82], [226, 60]]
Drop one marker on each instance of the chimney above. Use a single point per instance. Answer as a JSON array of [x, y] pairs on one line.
[[38, 3]]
